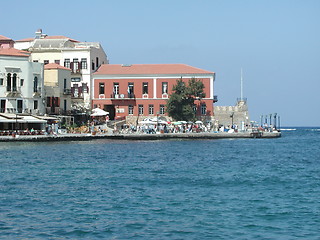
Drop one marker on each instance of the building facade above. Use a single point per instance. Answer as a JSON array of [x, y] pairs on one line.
[[57, 84], [142, 90], [83, 58], [21, 83]]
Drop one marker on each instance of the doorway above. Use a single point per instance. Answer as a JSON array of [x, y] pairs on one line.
[[111, 109]]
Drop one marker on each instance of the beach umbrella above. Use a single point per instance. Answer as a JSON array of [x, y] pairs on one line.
[[98, 112]]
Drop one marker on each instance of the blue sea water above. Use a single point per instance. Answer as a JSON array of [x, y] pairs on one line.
[[167, 189]]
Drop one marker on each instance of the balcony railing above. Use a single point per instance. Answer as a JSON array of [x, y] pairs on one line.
[[13, 89], [123, 96]]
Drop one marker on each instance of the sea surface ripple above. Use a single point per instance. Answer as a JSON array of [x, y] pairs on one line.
[[167, 189]]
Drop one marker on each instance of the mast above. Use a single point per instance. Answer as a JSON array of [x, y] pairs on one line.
[[241, 87]]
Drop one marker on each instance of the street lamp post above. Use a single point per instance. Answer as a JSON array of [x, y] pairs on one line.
[[232, 115], [158, 120]]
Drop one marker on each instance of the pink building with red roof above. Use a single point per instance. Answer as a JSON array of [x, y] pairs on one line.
[[129, 91], [6, 42]]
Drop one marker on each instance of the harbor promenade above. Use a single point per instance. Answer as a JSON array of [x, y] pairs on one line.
[[136, 136]]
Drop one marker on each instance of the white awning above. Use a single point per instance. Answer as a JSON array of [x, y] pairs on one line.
[[98, 112], [12, 118]]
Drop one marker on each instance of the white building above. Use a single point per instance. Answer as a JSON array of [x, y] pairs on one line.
[[83, 58], [21, 83]]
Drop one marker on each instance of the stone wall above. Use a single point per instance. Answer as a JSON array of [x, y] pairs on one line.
[[238, 114]]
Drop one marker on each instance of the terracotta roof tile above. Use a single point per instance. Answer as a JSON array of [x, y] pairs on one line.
[[13, 52], [146, 69], [60, 37], [4, 38], [47, 37], [55, 66], [25, 40]]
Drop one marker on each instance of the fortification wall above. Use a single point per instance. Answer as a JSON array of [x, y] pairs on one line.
[[226, 115]]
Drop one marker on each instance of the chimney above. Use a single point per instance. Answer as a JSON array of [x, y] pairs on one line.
[[38, 34]]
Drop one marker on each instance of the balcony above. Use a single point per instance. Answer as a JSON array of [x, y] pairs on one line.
[[37, 92], [13, 92], [128, 96]]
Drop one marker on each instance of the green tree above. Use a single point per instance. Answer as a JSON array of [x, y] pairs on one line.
[[181, 101]]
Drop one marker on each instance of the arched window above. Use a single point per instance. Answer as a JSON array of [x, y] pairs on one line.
[[35, 84], [9, 82], [14, 82]]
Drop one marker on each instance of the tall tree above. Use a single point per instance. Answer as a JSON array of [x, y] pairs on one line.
[[180, 105]]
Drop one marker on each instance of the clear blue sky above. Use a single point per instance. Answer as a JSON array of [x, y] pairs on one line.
[[276, 42]]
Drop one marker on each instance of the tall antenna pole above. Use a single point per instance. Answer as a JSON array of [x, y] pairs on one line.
[[241, 87]]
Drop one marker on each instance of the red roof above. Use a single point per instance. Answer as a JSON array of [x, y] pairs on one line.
[[60, 37], [4, 38], [148, 69], [13, 52], [25, 40], [47, 37], [55, 66]]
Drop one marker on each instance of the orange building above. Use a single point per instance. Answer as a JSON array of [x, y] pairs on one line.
[[142, 90]]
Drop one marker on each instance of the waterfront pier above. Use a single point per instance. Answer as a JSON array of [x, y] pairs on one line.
[[136, 136]]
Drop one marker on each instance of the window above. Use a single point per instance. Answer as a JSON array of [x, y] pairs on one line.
[[75, 79], [75, 64], [84, 64], [57, 61], [161, 108], [64, 84], [151, 109], [65, 104], [140, 109], [195, 108], [3, 106], [130, 109], [97, 62], [19, 106], [14, 82], [48, 101], [145, 88], [35, 84], [130, 90], [9, 82], [85, 88], [46, 62], [35, 104], [101, 88], [115, 88], [1, 81], [92, 65], [203, 109], [67, 63], [21, 82], [164, 87]]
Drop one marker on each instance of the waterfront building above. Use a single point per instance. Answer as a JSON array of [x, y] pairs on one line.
[[21, 83], [142, 90], [83, 58], [6, 42], [57, 84]]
